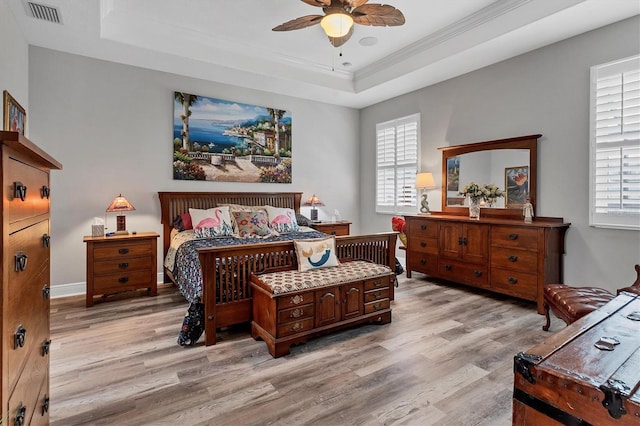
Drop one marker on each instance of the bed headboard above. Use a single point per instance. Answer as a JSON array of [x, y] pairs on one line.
[[174, 203]]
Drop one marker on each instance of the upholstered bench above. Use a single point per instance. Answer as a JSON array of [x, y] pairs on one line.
[[290, 306], [572, 303]]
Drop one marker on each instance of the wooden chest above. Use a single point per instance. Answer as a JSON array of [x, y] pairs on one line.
[[588, 373]]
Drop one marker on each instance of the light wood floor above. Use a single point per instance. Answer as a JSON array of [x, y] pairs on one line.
[[445, 359]]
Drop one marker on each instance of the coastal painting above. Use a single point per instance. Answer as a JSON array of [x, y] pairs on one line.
[[227, 141]]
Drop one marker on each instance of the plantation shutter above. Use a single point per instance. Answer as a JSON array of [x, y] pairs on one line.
[[397, 143], [615, 144]]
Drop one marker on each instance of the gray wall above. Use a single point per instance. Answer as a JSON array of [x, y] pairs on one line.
[[14, 60], [544, 91], [110, 125]]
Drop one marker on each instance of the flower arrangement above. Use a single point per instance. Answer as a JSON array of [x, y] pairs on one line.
[[481, 192], [494, 193]]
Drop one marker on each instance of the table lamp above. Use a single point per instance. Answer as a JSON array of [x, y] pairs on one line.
[[120, 204], [425, 181], [313, 202]]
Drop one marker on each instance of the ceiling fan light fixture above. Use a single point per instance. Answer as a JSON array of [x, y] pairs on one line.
[[336, 24]]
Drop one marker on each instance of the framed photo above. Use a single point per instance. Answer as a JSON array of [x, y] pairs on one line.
[[15, 117], [453, 174], [516, 183]]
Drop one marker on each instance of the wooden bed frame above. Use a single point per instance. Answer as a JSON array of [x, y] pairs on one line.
[[230, 301]]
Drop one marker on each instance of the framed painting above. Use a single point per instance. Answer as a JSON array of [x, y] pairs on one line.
[[453, 174], [227, 141], [15, 117], [516, 183]]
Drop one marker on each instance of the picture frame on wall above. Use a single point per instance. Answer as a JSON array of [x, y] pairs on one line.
[[15, 117], [516, 183]]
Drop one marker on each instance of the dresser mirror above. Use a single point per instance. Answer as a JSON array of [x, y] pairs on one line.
[[510, 164]]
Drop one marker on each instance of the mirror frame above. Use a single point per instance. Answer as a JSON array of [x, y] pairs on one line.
[[529, 142]]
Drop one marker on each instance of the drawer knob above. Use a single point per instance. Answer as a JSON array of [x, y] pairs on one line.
[[45, 347], [123, 280], [45, 191], [513, 258], [423, 261], [377, 306], [377, 283], [19, 337], [423, 227], [19, 190], [45, 405], [21, 413], [423, 244], [513, 236], [513, 280], [123, 265], [20, 261], [333, 232], [295, 327], [297, 299], [123, 251], [296, 313], [46, 292], [46, 240], [447, 267], [477, 273], [378, 294]]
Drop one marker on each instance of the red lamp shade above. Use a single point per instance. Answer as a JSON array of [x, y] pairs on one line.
[[313, 202], [120, 204]]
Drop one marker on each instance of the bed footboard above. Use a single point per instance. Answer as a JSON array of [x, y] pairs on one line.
[[229, 301]]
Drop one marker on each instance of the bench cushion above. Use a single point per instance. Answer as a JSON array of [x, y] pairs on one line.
[[293, 280]]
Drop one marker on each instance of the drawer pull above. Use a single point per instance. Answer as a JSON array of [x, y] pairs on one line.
[[447, 267], [513, 280], [377, 305], [296, 313], [19, 337], [477, 273], [123, 265], [513, 236], [423, 227], [377, 294], [123, 280], [123, 251], [333, 232], [377, 283], [45, 405], [45, 347], [462, 241], [19, 190], [45, 191], [423, 244], [21, 261], [21, 413], [297, 299], [46, 240], [46, 292], [295, 327], [513, 258], [423, 261]]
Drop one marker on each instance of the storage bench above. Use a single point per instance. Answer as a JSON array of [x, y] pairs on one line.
[[289, 307]]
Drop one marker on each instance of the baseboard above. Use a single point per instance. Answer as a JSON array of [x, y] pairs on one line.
[[80, 289]]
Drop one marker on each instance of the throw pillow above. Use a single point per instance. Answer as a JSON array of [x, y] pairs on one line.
[[215, 222], [318, 253], [182, 222], [252, 224], [302, 220], [282, 219]]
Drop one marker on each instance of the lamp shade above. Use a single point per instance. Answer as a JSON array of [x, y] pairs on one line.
[[425, 181], [314, 201], [336, 24], [120, 204]]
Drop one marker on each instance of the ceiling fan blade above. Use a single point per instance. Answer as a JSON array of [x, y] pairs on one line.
[[319, 3], [379, 15], [339, 41], [299, 23], [354, 3]]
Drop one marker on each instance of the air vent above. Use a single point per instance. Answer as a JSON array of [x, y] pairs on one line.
[[43, 12]]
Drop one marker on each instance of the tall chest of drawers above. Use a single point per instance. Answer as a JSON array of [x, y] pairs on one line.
[[25, 280], [502, 255]]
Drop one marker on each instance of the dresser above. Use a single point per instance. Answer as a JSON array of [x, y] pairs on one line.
[[25, 280], [502, 255], [121, 263]]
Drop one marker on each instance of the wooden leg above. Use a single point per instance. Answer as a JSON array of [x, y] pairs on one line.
[[546, 314]]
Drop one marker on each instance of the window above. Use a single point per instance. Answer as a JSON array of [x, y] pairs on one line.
[[614, 199], [397, 164]]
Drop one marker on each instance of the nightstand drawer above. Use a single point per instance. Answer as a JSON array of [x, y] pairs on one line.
[[122, 282], [116, 266], [121, 250], [332, 228]]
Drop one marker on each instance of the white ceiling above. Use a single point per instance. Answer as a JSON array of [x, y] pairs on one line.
[[230, 41]]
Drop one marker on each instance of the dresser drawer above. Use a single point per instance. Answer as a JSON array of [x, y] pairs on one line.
[[117, 266], [514, 236], [376, 283], [295, 300], [512, 258], [29, 388], [295, 327], [376, 306], [122, 250], [372, 295], [423, 244], [28, 254], [35, 202], [422, 262], [421, 228], [519, 284], [475, 275], [122, 282], [295, 314], [43, 406]]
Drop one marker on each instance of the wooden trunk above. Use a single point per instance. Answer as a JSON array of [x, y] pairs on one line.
[[588, 373]]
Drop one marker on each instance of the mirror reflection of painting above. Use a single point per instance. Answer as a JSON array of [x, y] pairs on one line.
[[517, 186], [453, 174], [219, 140]]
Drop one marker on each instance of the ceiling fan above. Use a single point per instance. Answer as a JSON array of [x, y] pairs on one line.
[[340, 15]]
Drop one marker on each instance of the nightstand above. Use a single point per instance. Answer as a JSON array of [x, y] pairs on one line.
[[121, 263], [340, 227]]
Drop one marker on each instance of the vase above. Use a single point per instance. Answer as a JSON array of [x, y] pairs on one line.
[[474, 209]]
